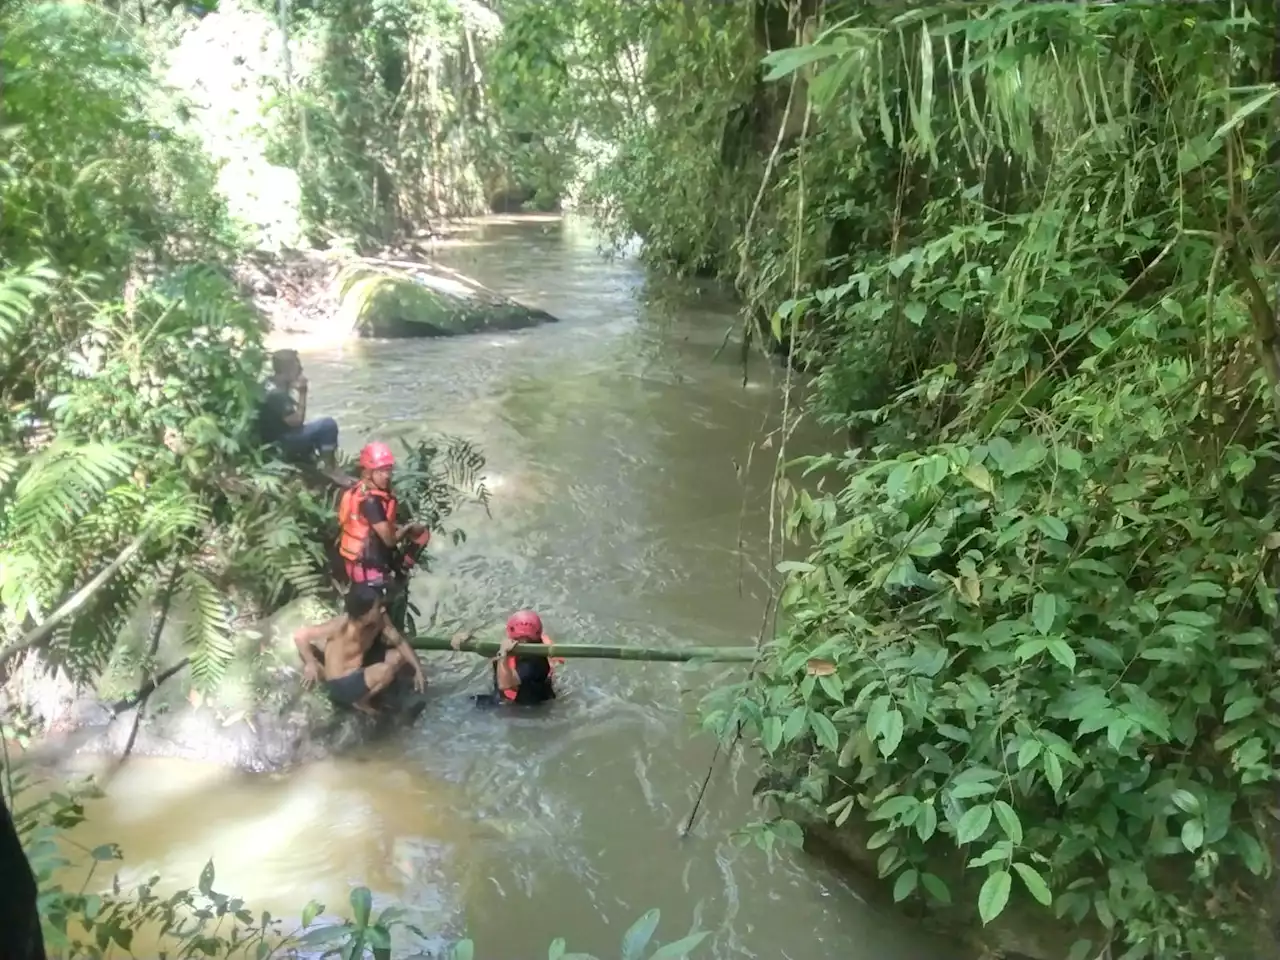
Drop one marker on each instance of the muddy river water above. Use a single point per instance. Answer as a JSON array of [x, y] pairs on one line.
[[625, 508]]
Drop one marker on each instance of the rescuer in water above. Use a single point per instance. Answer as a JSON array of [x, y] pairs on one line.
[[519, 681]]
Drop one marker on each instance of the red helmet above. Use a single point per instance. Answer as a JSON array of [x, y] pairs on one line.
[[524, 625], [376, 456]]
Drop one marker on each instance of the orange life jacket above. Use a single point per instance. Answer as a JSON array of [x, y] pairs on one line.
[[551, 670], [356, 531]]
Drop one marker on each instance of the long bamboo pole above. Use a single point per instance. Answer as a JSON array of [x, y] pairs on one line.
[[592, 651]]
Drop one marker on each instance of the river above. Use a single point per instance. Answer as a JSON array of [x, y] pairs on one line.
[[627, 508]]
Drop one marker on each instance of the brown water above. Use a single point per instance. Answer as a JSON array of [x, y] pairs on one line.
[[624, 511]]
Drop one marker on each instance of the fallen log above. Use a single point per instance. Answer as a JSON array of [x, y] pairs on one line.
[[593, 651]]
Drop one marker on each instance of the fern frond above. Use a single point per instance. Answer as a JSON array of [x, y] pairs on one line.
[[63, 483], [209, 633], [9, 464], [438, 478], [20, 287], [86, 645]]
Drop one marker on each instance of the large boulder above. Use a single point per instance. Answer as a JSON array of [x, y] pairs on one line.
[[382, 301]]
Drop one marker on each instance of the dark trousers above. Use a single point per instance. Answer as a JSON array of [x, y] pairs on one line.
[[313, 437]]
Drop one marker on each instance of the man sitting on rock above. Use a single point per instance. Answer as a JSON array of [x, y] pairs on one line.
[[284, 421], [362, 652]]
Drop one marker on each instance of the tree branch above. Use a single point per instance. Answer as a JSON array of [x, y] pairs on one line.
[[148, 688], [74, 603]]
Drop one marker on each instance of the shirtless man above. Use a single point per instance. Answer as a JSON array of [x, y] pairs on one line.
[[346, 640]]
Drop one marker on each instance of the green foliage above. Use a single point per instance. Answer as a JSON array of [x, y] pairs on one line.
[[437, 477], [387, 131], [1032, 645], [131, 365], [602, 90], [89, 180]]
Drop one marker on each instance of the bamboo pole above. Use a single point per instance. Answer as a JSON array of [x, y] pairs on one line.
[[592, 651]]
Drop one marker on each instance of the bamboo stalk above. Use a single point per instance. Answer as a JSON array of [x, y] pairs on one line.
[[593, 651]]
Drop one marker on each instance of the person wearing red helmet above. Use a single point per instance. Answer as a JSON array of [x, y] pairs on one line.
[[520, 680], [369, 535]]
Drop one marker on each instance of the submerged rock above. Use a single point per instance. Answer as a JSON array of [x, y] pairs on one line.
[[385, 302]]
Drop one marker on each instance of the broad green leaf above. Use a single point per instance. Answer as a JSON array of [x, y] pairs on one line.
[[312, 910], [967, 791], [1028, 752], [994, 895], [1009, 821], [926, 821], [974, 823], [1052, 527], [1193, 835], [979, 476], [680, 948], [825, 732], [935, 888], [361, 905], [1241, 708], [887, 861], [771, 734], [891, 735], [796, 723], [782, 63], [1035, 884], [205, 884], [637, 938], [1052, 771], [1044, 610], [463, 950], [1062, 652], [905, 885], [557, 949], [324, 935]]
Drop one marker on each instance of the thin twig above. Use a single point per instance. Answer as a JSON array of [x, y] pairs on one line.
[[153, 644]]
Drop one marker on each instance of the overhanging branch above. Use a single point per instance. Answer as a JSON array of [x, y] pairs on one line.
[[74, 603]]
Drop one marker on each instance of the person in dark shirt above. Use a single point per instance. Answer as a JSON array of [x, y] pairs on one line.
[[520, 681], [283, 419]]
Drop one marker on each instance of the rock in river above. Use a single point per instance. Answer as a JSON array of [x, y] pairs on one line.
[[382, 301]]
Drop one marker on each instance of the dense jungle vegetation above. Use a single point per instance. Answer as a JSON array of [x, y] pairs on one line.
[[1028, 251], [1024, 252]]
